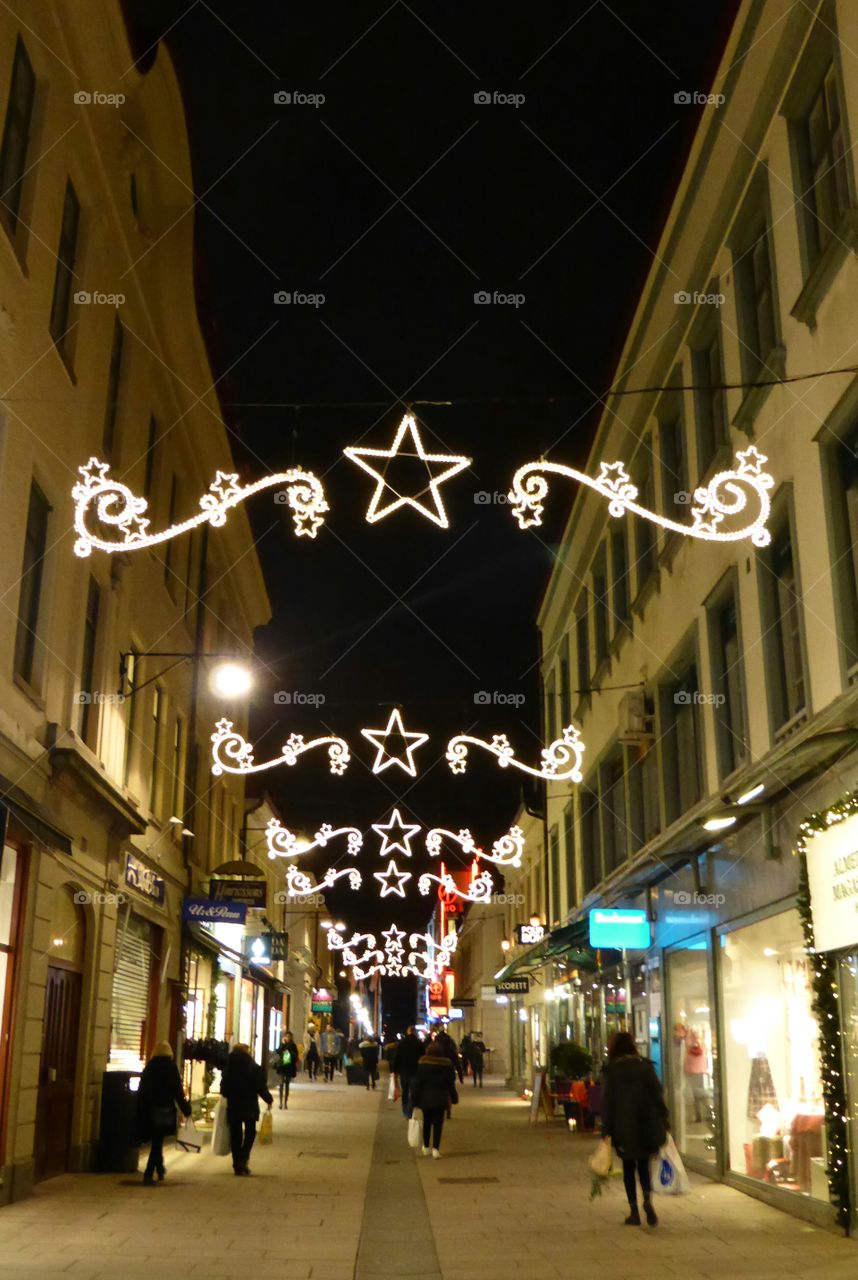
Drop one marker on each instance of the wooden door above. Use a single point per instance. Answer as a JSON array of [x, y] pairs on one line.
[[57, 1071]]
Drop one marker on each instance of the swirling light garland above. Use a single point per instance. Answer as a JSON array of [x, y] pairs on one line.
[[118, 507], [506, 850], [282, 843], [529, 488], [231, 753], [479, 890], [358, 951], [560, 759], [301, 885], [426, 958]]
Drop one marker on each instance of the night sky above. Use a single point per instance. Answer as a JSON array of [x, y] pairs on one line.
[[400, 198]]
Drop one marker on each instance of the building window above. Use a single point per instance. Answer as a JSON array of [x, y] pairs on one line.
[[87, 675], [130, 716], [176, 767], [582, 642], [824, 195], [681, 744], [645, 543], [16, 135], [758, 326], [151, 450], [65, 274], [159, 700], [711, 403], [601, 612], [843, 485], [785, 666], [569, 851], [729, 686], [620, 576], [551, 707], [29, 600], [651, 787], [565, 686], [591, 868], [614, 826], [114, 378], [674, 463]]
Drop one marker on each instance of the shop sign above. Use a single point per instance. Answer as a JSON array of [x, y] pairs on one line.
[[512, 987], [463, 1004], [528, 934], [253, 893], [322, 1001], [257, 948], [618, 928], [279, 943], [832, 871], [205, 911], [142, 878]]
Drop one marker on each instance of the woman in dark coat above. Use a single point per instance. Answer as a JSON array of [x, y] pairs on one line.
[[286, 1066], [634, 1117], [369, 1054], [159, 1094], [243, 1084], [434, 1092]]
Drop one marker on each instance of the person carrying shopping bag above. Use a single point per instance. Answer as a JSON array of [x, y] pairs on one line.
[[634, 1118], [243, 1084], [158, 1096], [286, 1066], [369, 1053], [434, 1092]]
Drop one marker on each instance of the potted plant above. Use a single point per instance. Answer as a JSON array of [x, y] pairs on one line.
[[569, 1061]]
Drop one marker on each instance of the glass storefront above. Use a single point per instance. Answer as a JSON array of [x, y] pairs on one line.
[[775, 1113], [690, 1046]]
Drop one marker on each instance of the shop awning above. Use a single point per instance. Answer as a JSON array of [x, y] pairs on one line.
[[570, 944], [530, 959]]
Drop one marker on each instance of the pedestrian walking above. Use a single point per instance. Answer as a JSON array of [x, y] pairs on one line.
[[448, 1046], [634, 1117], [243, 1084], [408, 1053], [311, 1053], [330, 1043], [286, 1066], [434, 1092], [477, 1052], [159, 1093], [369, 1053], [465, 1049]]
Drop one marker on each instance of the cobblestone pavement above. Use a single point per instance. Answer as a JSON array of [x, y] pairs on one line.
[[340, 1196]]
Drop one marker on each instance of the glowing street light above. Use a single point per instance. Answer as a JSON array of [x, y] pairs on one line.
[[230, 680]]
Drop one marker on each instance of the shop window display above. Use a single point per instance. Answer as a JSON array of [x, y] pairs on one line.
[[775, 1112], [690, 1046]]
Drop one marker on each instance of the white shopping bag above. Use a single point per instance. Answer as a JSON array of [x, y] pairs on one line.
[[187, 1136], [602, 1159], [668, 1172], [391, 1088], [220, 1133], [415, 1135]]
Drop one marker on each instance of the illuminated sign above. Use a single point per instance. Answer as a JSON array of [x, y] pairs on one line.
[[619, 928], [512, 987], [142, 878], [528, 934]]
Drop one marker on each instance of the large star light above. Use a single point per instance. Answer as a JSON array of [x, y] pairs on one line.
[[402, 841], [392, 880], [378, 738], [407, 443]]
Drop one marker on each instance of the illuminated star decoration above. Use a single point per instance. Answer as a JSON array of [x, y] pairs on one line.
[[393, 939], [231, 753], [726, 494], [378, 738], [402, 842], [117, 507], [392, 880], [407, 443]]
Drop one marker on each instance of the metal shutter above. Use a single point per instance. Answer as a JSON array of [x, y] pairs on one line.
[[131, 977]]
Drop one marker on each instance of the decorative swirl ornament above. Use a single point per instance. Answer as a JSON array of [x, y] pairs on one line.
[[726, 495], [283, 843], [300, 885], [117, 507], [506, 850], [427, 958], [360, 952], [479, 890], [560, 759], [231, 753]]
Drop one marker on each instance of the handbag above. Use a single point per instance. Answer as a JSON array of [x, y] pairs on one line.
[[266, 1129], [602, 1159], [414, 1134], [188, 1137], [220, 1131], [667, 1172], [392, 1091]]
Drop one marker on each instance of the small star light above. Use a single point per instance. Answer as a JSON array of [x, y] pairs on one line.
[[402, 842], [407, 443], [412, 741], [393, 938], [392, 880]]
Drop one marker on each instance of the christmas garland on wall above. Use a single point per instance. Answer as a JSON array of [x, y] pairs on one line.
[[826, 1007]]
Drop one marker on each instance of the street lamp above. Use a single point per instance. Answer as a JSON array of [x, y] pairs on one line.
[[230, 680]]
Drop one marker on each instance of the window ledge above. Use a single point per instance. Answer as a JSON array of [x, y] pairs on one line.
[[650, 588], [29, 692], [843, 243], [65, 361], [621, 634], [774, 366], [601, 671], [582, 708], [789, 727], [16, 243], [670, 546]]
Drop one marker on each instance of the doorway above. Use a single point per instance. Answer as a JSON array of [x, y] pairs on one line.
[[60, 1037]]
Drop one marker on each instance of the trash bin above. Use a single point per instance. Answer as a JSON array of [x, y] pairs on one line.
[[116, 1152]]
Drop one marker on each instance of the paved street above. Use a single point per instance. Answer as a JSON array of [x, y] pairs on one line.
[[340, 1195]]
